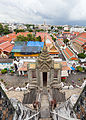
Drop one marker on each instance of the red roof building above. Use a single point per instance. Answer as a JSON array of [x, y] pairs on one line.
[[68, 54], [5, 41], [79, 43]]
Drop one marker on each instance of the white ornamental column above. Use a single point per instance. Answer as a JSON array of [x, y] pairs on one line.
[[59, 75], [48, 79], [22, 72], [19, 73], [41, 80]]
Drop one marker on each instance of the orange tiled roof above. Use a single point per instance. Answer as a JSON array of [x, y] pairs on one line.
[[53, 49], [60, 42], [44, 35], [66, 54], [53, 53], [69, 51], [66, 32], [20, 55], [64, 63], [9, 37], [79, 42], [69, 54], [5, 45], [74, 58], [5, 40], [66, 68], [23, 67], [80, 39], [83, 35], [9, 48], [77, 33]]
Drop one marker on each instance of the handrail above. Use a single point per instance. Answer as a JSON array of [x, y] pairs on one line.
[[33, 115]]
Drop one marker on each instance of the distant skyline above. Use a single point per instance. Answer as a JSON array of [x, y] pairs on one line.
[[55, 12]]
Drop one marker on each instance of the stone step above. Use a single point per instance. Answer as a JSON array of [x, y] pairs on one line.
[[45, 113], [45, 119]]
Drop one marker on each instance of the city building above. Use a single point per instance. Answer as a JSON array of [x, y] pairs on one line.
[[69, 54], [77, 29], [6, 63]]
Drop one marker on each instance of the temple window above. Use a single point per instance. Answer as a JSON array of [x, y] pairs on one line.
[[55, 74], [33, 74], [25, 72], [0, 95]]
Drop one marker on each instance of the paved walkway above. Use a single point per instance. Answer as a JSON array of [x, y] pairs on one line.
[[45, 107], [14, 81], [75, 77]]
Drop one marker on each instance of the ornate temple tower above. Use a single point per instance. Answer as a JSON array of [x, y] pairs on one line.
[[45, 72]]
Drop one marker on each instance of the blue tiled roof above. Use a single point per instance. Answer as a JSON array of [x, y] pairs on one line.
[[35, 43], [29, 47]]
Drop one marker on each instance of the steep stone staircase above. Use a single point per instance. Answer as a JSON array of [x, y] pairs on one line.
[[45, 119], [44, 110]]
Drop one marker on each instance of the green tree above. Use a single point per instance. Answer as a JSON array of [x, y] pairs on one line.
[[60, 27], [19, 30], [30, 30], [53, 38], [79, 68], [6, 30], [3, 71], [49, 31], [85, 29], [66, 41], [39, 30], [1, 29], [82, 55], [31, 37], [66, 30], [38, 38], [21, 38], [52, 27], [28, 26], [55, 30]]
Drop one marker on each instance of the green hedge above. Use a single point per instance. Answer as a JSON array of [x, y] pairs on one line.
[[82, 55], [62, 80], [79, 68], [3, 71]]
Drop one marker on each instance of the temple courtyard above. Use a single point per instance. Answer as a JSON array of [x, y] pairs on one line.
[[21, 81]]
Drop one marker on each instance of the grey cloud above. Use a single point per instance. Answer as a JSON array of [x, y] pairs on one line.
[[36, 11]]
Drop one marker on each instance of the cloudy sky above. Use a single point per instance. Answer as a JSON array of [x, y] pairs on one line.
[[36, 11]]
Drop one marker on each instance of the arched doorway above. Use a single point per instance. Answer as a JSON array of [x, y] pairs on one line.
[[44, 79]]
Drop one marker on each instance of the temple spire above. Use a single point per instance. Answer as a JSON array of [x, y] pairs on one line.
[[45, 47]]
